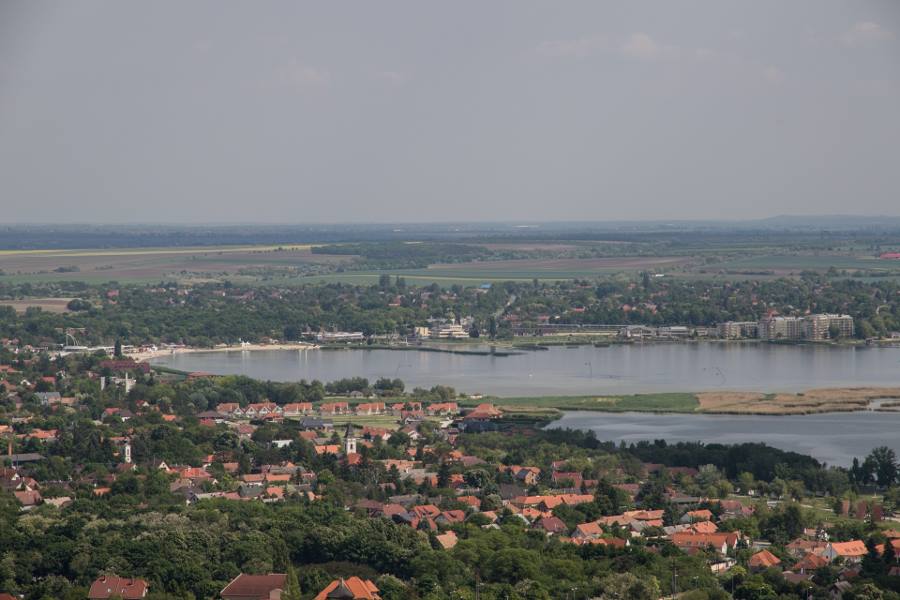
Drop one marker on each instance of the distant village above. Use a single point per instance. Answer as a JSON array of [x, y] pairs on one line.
[[815, 327]]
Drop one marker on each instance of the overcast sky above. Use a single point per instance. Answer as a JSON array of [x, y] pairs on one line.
[[386, 111]]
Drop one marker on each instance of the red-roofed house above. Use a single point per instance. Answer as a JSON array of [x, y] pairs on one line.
[[695, 516], [352, 588], [229, 408], [255, 587], [588, 530], [442, 408], [704, 527], [720, 542], [425, 510], [527, 475], [295, 409], [895, 544], [810, 563], [370, 408], [472, 501], [447, 540], [552, 526], [334, 408], [571, 479], [763, 560], [853, 550], [28, 498], [262, 409], [483, 412], [449, 517], [575, 499], [110, 586]]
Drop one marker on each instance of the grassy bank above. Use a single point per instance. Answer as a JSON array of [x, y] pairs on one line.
[[169, 370], [673, 402], [733, 403]]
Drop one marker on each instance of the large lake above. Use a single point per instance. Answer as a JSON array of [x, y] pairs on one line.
[[576, 370], [832, 438]]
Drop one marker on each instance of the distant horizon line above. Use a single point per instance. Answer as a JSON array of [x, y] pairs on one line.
[[524, 223]]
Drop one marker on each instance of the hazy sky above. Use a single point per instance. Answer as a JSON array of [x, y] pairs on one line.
[[413, 111]]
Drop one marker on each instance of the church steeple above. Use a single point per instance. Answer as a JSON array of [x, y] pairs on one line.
[[349, 441]]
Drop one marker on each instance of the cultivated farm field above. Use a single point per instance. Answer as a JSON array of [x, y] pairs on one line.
[[51, 305], [145, 265], [793, 264], [470, 273], [297, 264]]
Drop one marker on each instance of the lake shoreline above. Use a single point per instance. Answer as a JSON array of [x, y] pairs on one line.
[[149, 355], [811, 402], [503, 348], [830, 438], [721, 378]]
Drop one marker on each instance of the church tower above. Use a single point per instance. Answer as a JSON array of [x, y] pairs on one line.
[[349, 441]]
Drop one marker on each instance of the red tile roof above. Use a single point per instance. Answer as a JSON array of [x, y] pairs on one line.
[[589, 529], [853, 548], [447, 540], [704, 527], [704, 540], [810, 562], [763, 560], [253, 587], [425, 510], [552, 525], [894, 543], [353, 588], [108, 586], [699, 515], [28, 497]]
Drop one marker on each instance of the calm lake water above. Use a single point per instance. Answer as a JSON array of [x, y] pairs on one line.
[[833, 438], [576, 370]]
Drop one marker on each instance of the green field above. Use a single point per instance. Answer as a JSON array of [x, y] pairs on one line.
[[297, 264], [672, 402], [801, 262], [385, 421], [150, 265]]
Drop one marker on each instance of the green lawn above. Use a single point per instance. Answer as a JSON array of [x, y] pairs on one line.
[[385, 421]]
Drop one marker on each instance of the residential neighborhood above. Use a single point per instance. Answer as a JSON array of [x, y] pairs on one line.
[[438, 468]]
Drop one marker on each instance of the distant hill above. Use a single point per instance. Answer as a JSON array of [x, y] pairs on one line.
[[827, 222]]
